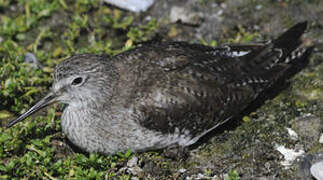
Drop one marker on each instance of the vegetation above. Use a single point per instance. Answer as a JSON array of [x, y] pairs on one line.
[[55, 29]]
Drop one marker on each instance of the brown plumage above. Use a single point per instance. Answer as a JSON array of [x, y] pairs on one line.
[[165, 93]]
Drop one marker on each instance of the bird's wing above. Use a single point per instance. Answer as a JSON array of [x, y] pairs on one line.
[[193, 107], [194, 87], [184, 86]]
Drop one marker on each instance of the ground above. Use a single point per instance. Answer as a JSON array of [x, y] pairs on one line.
[[246, 148]]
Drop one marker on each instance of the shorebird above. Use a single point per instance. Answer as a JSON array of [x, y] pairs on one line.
[[161, 94]]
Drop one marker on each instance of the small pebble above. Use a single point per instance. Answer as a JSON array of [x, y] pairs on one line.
[[31, 59], [289, 154], [132, 5], [259, 7], [317, 170], [184, 15], [132, 162], [293, 135], [321, 139]]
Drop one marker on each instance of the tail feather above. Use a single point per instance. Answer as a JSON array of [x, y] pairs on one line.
[[277, 51], [290, 40], [301, 60], [277, 60], [283, 71]]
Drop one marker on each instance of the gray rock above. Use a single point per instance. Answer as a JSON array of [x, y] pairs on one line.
[[132, 5], [31, 59], [317, 170], [309, 166], [184, 15], [308, 128], [132, 162]]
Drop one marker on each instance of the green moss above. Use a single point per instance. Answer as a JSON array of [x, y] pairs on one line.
[[55, 29], [233, 175], [243, 36], [33, 149]]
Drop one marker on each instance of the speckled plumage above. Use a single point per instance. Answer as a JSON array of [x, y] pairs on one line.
[[165, 93]]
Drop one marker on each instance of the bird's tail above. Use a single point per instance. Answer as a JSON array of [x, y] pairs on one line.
[[290, 40], [281, 50], [280, 58]]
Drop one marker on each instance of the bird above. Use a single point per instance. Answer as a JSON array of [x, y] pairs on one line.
[[161, 94]]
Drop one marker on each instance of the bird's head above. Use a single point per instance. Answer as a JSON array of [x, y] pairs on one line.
[[79, 81]]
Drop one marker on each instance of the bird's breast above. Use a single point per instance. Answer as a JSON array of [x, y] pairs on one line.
[[97, 132]]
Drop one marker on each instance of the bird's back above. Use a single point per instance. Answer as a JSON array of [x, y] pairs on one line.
[[188, 89]]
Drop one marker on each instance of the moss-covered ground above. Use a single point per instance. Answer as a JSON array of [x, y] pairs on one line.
[[55, 29]]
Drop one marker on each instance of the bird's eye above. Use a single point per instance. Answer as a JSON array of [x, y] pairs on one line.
[[77, 81]]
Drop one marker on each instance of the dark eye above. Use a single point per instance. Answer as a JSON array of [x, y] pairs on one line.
[[77, 81]]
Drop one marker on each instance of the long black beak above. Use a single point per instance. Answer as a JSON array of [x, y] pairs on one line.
[[48, 99]]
